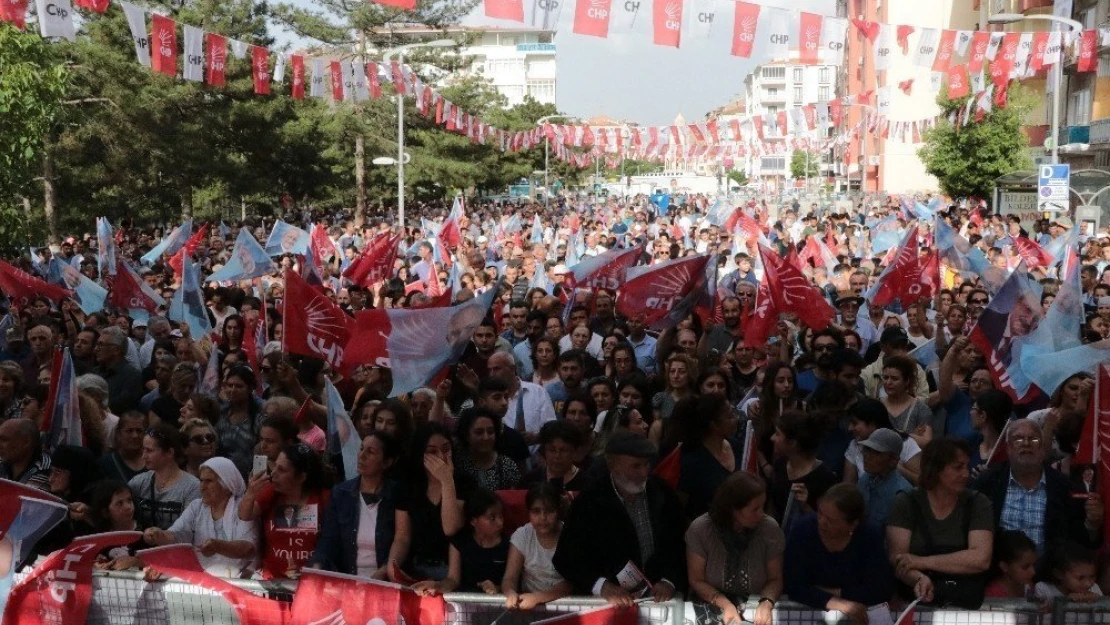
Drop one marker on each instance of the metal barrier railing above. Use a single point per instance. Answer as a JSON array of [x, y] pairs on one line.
[[125, 598]]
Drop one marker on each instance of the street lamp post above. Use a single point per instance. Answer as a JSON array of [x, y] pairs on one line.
[[546, 158], [1057, 70], [399, 52]]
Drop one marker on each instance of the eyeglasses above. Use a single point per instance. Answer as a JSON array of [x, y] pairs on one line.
[[202, 439], [1026, 440], [978, 301]]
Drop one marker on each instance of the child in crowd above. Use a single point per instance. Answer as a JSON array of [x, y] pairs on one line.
[[531, 549], [1016, 563], [477, 555], [1068, 571]]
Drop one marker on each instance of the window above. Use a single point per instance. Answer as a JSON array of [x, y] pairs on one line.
[[822, 94], [513, 93], [542, 90], [772, 93], [797, 74], [774, 72], [823, 76], [797, 95], [773, 163]]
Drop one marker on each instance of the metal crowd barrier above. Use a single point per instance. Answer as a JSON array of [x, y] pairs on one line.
[[124, 598]]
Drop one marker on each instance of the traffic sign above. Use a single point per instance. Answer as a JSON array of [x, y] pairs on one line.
[[1053, 184]]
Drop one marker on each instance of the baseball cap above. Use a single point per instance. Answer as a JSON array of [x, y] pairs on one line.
[[884, 441]]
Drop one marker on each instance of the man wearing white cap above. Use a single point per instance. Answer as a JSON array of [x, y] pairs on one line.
[[880, 480]]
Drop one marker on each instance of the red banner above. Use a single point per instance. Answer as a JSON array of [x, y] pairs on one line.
[[667, 22], [1004, 60], [505, 9], [14, 12], [744, 23], [1094, 441], [217, 59], [604, 271], [60, 588], [22, 287], [654, 293], [836, 112], [297, 62], [958, 82], [591, 17], [98, 6], [325, 597], [809, 38], [180, 561], [903, 36], [907, 278], [336, 81], [1036, 58], [314, 325], [260, 70], [375, 263], [1088, 51], [163, 41], [791, 291], [373, 80], [945, 49], [407, 5], [980, 41], [1033, 254]]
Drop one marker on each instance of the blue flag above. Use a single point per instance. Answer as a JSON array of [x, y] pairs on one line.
[[171, 243], [187, 305], [63, 407], [89, 295], [537, 230], [926, 354], [248, 260], [223, 229], [572, 256], [36, 517], [718, 212], [1005, 330], [107, 252], [342, 436], [286, 239]]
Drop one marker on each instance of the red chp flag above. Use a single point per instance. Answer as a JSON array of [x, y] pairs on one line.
[[608, 615], [188, 249], [945, 49], [217, 59], [407, 5], [791, 291], [904, 278], [336, 81], [14, 12], [375, 263], [260, 70], [297, 61], [163, 40], [322, 246], [667, 22], [809, 38], [604, 271], [98, 6], [663, 294], [1088, 51], [337, 598], [958, 82], [745, 20], [591, 17], [505, 9], [1033, 254], [1094, 441], [180, 561], [22, 287], [59, 590], [314, 325], [980, 41]]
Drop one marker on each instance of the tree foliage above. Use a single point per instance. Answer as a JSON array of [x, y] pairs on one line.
[[804, 164], [967, 160]]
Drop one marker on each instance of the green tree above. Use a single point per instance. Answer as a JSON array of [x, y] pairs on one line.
[[804, 164], [32, 86], [738, 176], [968, 159]]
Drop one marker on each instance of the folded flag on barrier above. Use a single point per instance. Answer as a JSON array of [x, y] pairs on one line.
[[608, 615], [180, 561], [325, 597], [58, 591]]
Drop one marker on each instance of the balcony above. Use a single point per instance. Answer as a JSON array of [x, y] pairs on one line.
[[1074, 134], [1100, 132]]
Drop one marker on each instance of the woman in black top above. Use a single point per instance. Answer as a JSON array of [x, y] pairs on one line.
[[799, 478]]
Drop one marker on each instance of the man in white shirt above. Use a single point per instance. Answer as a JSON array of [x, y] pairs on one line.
[[529, 404]]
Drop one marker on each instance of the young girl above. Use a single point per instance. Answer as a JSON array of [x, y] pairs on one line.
[[1069, 571], [476, 557], [531, 549], [1016, 559]]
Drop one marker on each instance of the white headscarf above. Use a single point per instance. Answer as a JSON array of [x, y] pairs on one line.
[[228, 474]]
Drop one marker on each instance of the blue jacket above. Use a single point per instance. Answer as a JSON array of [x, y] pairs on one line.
[[336, 546]]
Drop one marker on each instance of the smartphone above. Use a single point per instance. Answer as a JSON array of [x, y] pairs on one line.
[[260, 465]]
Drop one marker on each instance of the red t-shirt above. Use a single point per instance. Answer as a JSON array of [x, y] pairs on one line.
[[289, 532]]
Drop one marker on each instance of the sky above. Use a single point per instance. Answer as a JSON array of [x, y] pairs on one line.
[[628, 78]]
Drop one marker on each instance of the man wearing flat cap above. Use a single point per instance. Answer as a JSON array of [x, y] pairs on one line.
[[623, 538]]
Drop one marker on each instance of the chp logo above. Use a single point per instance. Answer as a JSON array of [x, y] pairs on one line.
[[54, 10], [747, 29], [165, 43], [706, 17], [217, 57], [548, 5], [598, 10], [956, 82], [673, 12], [812, 38]]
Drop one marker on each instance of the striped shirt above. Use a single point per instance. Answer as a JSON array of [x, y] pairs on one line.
[[1024, 510]]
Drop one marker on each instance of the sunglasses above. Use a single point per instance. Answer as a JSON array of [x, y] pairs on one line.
[[979, 301], [202, 439]]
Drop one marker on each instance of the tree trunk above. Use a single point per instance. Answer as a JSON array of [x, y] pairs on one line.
[[26, 207], [186, 202], [242, 209], [49, 194], [360, 180]]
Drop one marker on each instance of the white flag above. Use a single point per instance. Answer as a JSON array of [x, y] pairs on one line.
[[1104, 37], [884, 47], [834, 32], [136, 20], [56, 19], [798, 121], [978, 82], [1052, 49], [319, 75], [194, 54], [705, 12], [362, 91], [346, 68], [238, 49], [992, 47], [882, 99], [926, 47], [963, 40], [936, 79], [1021, 58], [775, 29], [821, 115], [279, 67]]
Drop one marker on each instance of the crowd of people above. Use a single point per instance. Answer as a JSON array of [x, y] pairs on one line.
[[572, 450]]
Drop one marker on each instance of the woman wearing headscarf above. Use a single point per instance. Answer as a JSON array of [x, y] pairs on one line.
[[226, 545]]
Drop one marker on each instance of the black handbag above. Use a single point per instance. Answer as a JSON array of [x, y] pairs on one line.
[[949, 590]]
